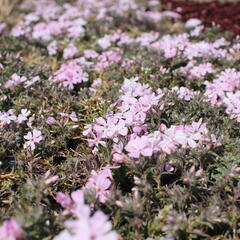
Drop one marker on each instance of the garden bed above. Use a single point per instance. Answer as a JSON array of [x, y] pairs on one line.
[[119, 120]]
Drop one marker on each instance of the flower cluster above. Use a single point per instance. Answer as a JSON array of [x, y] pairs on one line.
[[223, 90], [87, 226], [227, 81], [70, 74], [185, 93], [50, 20], [100, 182], [136, 101], [108, 58], [10, 116], [192, 71], [128, 128], [168, 140], [132, 115], [16, 80]]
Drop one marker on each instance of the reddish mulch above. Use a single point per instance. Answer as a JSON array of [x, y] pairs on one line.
[[227, 14]]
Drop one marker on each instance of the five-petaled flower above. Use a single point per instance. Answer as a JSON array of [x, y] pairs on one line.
[[33, 137]]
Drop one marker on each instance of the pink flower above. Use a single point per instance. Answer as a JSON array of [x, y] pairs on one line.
[[15, 80], [108, 58], [7, 117], [88, 53], [185, 93], [2, 27], [64, 199], [100, 181], [192, 23], [96, 83], [33, 137], [31, 120], [118, 155], [85, 226], [29, 83], [70, 74], [96, 227], [95, 141], [51, 121], [88, 130], [118, 129], [73, 116], [73, 203], [70, 52], [102, 126], [104, 42], [76, 30], [101, 228], [201, 70], [23, 116], [52, 48], [11, 230], [140, 146]]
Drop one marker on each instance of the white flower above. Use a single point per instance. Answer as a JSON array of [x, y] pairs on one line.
[[31, 82], [104, 43], [32, 137], [23, 115], [52, 48], [192, 23]]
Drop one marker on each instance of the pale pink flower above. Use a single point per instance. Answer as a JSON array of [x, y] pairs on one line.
[[95, 141], [52, 48], [76, 30], [140, 146], [115, 130], [108, 58], [88, 130], [96, 83], [192, 23], [7, 117], [85, 226], [171, 14], [29, 83], [196, 31], [11, 230], [48, 179], [23, 116], [31, 120], [73, 116], [88, 53], [102, 126], [96, 227], [32, 138], [2, 27], [51, 121], [70, 74], [118, 155], [104, 42], [70, 51], [65, 200], [15, 80], [185, 93], [201, 70], [149, 15], [100, 181]]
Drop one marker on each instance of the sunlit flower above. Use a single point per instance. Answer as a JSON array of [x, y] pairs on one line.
[[32, 138]]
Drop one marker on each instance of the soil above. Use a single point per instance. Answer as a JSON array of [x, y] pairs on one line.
[[225, 14]]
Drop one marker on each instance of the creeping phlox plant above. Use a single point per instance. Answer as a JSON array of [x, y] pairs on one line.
[[128, 128], [87, 226], [117, 121]]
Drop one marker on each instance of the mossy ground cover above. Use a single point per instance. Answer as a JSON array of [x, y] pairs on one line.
[[126, 87]]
